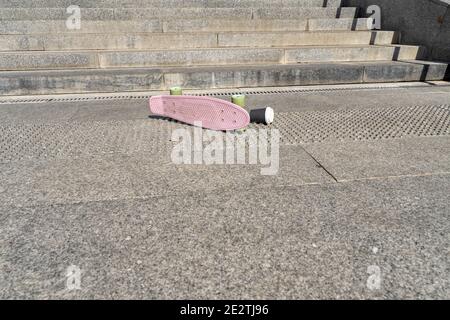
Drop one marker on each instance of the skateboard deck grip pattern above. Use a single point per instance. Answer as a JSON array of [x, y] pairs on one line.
[[214, 114]]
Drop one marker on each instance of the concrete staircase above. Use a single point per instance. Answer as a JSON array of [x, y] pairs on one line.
[[138, 45]]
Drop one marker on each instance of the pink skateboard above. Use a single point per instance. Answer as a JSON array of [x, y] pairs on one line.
[[213, 113]]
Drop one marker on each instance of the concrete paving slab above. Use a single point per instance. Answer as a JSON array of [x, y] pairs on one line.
[[77, 111], [91, 184], [301, 242], [113, 175], [376, 159]]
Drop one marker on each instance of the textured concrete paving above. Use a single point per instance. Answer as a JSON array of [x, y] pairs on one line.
[[91, 184]]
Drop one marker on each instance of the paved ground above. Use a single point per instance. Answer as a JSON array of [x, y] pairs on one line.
[[359, 208]]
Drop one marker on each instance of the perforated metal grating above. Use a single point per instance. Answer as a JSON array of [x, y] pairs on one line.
[[364, 124], [71, 139]]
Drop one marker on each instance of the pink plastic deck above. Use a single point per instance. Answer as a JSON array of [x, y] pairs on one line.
[[214, 114]]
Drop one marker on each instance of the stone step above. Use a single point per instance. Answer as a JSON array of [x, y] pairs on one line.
[[106, 14], [335, 38], [201, 57], [168, 3], [184, 25], [218, 25], [145, 79], [353, 53], [70, 42]]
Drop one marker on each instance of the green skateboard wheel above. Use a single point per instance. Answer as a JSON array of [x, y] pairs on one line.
[[176, 91], [239, 100]]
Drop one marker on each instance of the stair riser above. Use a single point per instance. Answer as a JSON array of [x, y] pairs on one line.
[[295, 13], [198, 13], [107, 42], [142, 80], [195, 25], [218, 25], [339, 24], [265, 25], [12, 62], [306, 39], [309, 75], [189, 41], [59, 26], [167, 3], [354, 54]]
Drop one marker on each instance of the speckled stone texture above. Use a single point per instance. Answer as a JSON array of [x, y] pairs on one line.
[[138, 45], [95, 188], [420, 21]]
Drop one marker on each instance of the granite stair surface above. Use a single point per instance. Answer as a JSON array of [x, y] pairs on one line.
[[137, 45]]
